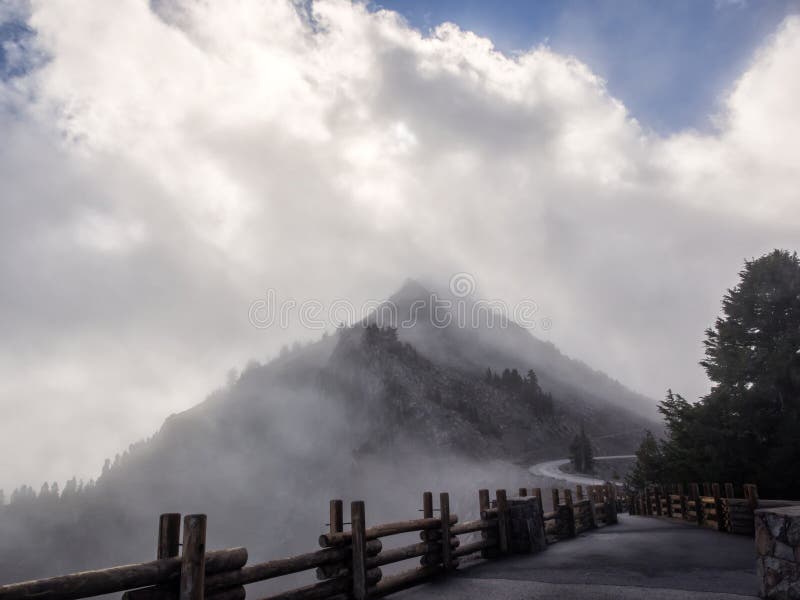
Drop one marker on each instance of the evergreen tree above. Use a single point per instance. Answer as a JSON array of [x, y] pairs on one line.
[[752, 415], [746, 428], [649, 467], [581, 453]]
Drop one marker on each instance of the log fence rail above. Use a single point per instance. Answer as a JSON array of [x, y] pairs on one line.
[[706, 505], [348, 565]]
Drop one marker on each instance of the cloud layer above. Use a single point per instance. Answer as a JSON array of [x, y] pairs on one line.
[[163, 165]]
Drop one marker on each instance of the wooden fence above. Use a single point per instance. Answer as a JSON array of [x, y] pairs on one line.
[[348, 565], [711, 506]]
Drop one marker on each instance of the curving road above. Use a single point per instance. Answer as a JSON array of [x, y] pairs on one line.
[[551, 469]]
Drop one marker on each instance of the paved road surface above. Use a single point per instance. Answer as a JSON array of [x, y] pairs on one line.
[[641, 557], [552, 469]]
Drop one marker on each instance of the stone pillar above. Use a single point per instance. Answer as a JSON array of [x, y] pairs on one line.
[[778, 550]]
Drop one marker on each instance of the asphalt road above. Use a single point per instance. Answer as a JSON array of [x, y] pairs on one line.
[[641, 557], [552, 469]]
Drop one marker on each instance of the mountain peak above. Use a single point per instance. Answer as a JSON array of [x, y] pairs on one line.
[[411, 290]]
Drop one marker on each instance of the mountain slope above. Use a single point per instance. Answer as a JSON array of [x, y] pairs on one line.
[[371, 412]]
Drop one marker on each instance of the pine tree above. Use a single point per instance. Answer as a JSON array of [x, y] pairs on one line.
[[649, 467], [752, 415], [746, 428], [581, 453]]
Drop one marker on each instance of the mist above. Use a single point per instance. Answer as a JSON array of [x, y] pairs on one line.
[[261, 457], [164, 164]]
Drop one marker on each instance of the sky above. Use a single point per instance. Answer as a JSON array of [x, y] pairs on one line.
[[669, 62], [166, 165]]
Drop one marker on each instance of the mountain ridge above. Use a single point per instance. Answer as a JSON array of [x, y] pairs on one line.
[[354, 414]]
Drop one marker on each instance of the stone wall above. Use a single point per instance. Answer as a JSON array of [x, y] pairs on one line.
[[778, 547]]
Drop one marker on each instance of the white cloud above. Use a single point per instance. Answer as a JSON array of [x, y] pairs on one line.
[[166, 166]]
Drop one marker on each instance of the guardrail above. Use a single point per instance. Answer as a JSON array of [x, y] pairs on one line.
[[348, 565], [714, 507]]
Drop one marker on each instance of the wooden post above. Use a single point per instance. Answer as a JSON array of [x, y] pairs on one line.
[[502, 522], [729, 493], [718, 507], [569, 514], [483, 505], [483, 500], [426, 536], [579, 492], [706, 489], [670, 512], [540, 536], [358, 527], [694, 494], [682, 500], [336, 516], [523, 492], [335, 526], [592, 510], [193, 561], [611, 505], [555, 499], [657, 495], [444, 514], [751, 493], [427, 505], [169, 535]]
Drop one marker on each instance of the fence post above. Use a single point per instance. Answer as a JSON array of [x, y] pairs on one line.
[[169, 535], [193, 561], [358, 527], [706, 489], [569, 514], [592, 509], [657, 496], [483, 500], [539, 536], [444, 514], [729, 493], [427, 536], [486, 534], [555, 499], [679, 491], [523, 492], [427, 505], [694, 493], [752, 495], [670, 493], [502, 521], [537, 492], [579, 492], [611, 505], [718, 507], [335, 525], [336, 516]]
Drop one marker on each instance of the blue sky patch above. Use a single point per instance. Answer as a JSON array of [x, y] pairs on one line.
[[669, 62]]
